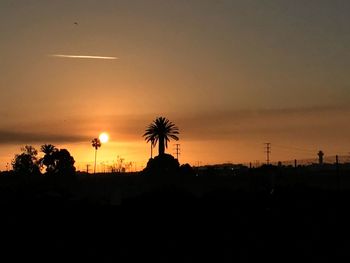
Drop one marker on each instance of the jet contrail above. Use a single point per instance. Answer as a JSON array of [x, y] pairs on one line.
[[79, 56]]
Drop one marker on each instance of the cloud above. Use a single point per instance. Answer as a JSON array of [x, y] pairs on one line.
[[311, 122], [308, 122], [82, 56], [11, 137], [228, 124]]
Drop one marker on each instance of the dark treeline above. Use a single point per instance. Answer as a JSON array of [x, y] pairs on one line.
[[252, 214], [60, 180]]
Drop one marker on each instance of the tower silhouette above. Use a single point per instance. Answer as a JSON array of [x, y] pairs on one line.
[[177, 150], [267, 151], [320, 157]]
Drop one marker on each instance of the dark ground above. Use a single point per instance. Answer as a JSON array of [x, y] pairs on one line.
[[172, 221]]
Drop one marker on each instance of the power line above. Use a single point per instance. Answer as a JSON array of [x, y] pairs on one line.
[[295, 148], [309, 151]]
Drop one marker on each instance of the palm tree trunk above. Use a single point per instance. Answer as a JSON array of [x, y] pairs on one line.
[[161, 148], [95, 161]]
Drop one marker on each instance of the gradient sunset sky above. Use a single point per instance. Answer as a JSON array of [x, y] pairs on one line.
[[231, 74]]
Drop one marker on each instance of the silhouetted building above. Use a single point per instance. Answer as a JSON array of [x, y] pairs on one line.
[[320, 157]]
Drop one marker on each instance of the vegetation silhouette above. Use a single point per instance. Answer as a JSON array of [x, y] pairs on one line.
[[58, 162], [26, 163], [160, 131], [48, 160], [96, 143], [61, 163]]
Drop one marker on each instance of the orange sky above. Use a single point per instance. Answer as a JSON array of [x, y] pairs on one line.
[[235, 136], [231, 74]]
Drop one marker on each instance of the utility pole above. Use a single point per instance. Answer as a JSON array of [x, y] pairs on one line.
[[337, 171], [267, 151], [177, 150], [87, 168]]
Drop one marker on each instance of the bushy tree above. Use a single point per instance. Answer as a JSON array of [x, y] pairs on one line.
[[64, 163], [26, 163], [57, 162]]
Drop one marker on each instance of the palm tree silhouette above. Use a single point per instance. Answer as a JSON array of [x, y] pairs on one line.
[[48, 148], [161, 130], [152, 142], [96, 143], [48, 159]]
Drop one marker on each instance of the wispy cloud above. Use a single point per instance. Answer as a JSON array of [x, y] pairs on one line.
[[11, 137], [310, 123], [82, 56], [284, 123]]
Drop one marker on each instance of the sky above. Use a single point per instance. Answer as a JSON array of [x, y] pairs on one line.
[[231, 75]]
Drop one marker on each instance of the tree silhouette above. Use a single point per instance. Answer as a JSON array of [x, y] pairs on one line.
[[48, 148], [57, 162], [96, 143], [63, 163], [152, 143], [30, 150], [49, 159], [161, 130], [26, 163]]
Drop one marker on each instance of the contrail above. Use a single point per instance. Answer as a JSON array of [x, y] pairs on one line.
[[79, 56]]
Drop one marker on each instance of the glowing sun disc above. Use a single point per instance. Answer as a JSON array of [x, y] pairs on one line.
[[104, 137]]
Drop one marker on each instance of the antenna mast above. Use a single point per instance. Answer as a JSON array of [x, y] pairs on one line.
[[267, 151], [177, 150]]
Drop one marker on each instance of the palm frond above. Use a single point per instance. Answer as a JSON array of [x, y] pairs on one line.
[[161, 129]]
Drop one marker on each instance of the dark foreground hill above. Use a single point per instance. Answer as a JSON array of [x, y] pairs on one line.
[[176, 220]]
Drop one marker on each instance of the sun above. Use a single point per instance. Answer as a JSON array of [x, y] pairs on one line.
[[104, 137]]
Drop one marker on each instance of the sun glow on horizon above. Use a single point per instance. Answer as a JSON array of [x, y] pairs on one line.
[[104, 137]]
